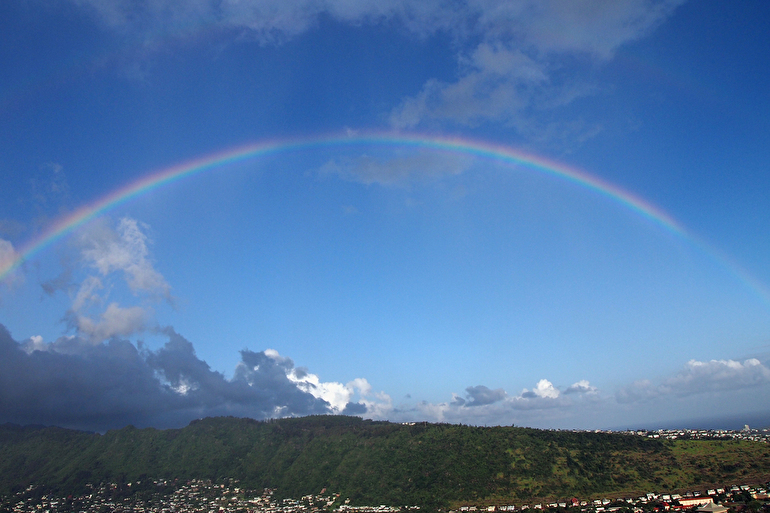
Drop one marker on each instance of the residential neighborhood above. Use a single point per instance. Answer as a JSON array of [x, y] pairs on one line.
[[747, 433], [205, 496]]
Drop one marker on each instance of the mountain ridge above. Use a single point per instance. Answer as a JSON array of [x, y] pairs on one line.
[[378, 462]]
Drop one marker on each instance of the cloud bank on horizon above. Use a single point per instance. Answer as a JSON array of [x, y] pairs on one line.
[[97, 379], [407, 285]]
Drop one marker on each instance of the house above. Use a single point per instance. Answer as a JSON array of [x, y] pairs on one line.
[[689, 502]]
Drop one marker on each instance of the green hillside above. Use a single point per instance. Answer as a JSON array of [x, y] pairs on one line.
[[378, 462]]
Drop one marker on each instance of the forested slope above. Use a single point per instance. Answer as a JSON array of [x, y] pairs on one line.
[[377, 462]]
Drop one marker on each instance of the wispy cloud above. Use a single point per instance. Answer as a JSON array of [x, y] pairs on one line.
[[106, 254], [400, 171], [7, 253], [8, 256], [122, 250], [516, 74], [516, 59]]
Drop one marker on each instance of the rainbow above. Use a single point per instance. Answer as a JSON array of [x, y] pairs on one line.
[[497, 153]]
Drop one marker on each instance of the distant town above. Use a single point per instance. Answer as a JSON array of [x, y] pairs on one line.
[[752, 435], [174, 496]]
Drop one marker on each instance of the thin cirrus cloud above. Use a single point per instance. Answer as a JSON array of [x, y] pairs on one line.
[[516, 71], [398, 171], [8, 255], [511, 55]]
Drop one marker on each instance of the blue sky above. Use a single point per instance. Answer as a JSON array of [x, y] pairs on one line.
[[385, 280]]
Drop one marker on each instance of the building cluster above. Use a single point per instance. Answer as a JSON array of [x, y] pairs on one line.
[[163, 496], [718, 500], [748, 434], [204, 496]]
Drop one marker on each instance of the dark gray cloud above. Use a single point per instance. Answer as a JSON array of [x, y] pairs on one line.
[[480, 395], [354, 409], [74, 383]]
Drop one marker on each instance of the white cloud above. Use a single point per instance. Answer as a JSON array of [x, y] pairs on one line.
[[497, 84], [518, 69], [594, 27], [110, 256], [86, 294], [718, 375], [581, 387], [699, 377], [34, 343], [339, 396], [115, 321], [544, 390], [124, 250]]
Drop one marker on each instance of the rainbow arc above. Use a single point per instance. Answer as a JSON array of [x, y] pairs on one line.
[[220, 160]]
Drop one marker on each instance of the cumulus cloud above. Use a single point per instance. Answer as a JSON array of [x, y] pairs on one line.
[[482, 405], [354, 397], [581, 387], [74, 383], [699, 377], [544, 390]]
